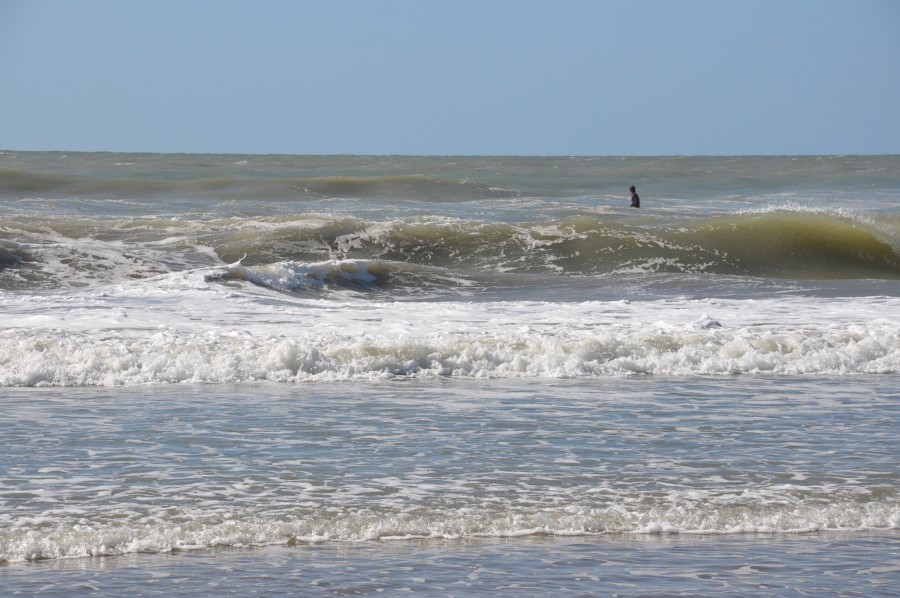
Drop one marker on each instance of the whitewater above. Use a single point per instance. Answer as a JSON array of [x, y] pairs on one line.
[[436, 362]]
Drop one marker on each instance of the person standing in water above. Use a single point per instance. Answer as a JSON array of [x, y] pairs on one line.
[[635, 198]]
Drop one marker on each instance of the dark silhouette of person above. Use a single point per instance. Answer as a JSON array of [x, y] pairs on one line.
[[635, 198]]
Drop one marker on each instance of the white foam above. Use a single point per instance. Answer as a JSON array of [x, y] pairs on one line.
[[169, 529], [188, 328], [295, 275]]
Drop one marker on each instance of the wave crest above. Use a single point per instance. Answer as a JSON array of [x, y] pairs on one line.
[[780, 244], [408, 254]]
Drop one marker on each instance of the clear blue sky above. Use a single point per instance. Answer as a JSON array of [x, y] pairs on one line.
[[518, 77]]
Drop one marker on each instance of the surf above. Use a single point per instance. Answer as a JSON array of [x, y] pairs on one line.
[[196, 328], [783, 243]]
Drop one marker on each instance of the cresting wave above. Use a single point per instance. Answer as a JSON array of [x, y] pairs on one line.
[[177, 529], [783, 244], [372, 277]]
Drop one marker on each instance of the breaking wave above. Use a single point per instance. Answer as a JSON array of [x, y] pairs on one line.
[[782, 244]]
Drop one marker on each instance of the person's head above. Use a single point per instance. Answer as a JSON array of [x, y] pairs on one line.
[[632, 189]]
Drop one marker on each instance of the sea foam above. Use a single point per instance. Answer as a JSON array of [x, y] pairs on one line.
[[189, 328]]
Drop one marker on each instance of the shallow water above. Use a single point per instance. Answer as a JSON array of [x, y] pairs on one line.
[[860, 564], [301, 374], [154, 469]]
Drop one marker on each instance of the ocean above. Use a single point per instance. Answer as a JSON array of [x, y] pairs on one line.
[[332, 375]]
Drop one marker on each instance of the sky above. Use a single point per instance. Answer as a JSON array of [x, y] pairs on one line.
[[452, 77]]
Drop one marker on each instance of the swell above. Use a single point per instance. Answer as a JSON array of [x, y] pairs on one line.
[[17, 182]]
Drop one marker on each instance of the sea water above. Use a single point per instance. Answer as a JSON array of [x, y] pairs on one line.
[[449, 375]]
